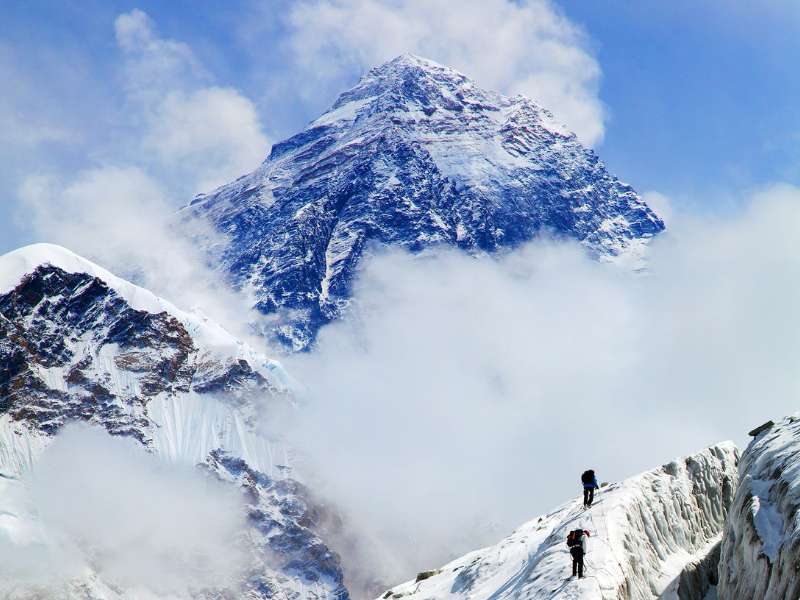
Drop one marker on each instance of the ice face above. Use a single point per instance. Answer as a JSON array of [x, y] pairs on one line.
[[760, 550]]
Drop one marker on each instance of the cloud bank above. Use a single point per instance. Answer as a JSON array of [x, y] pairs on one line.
[[180, 135], [101, 505], [466, 395], [198, 134], [122, 218], [524, 47]]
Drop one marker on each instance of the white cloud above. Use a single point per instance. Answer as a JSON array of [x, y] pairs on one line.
[[122, 218], [197, 136], [661, 204], [209, 136], [525, 47], [471, 392], [182, 136], [102, 504], [153, 63]]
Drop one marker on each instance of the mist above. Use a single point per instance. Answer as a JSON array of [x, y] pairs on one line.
[[178, 133], [125, 220], [464, 396], [101, 505]]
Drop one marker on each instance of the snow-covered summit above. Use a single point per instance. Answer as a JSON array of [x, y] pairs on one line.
[[415, 155], [15, 265], [653, 536], [422, 84]]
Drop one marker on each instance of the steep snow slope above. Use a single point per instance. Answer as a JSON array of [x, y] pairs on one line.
[[16, 264], [415, 155], [761, 547], [645, 531], [77, 343]]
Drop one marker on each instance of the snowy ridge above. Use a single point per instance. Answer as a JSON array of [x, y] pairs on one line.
[[644, 532], [16, 264], [415, 155], [761, 546]]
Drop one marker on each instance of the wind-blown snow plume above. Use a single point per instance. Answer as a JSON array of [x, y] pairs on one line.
[[99, 504], [535, 50], [121, 217], [466, 392]]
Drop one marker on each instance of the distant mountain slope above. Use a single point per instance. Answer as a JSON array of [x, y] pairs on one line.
[[79, 344], [415, 155], [653, 536]]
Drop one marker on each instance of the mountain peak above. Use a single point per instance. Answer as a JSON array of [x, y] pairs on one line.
[[411, 78], [19, 263], [411, 65], [410, 59], [416, 155]]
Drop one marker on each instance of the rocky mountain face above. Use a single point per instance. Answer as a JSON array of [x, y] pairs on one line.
[[653, 536], [761, 545], [79, 344], [416, 155]]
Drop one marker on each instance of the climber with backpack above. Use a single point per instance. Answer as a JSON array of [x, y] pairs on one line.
[[576, 542], [589, 486]]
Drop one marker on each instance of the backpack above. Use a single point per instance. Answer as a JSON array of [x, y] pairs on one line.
[[588, 476], [574, 537]]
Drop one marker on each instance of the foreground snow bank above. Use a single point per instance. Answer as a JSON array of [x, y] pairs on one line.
[[761, 547], [651, 534]]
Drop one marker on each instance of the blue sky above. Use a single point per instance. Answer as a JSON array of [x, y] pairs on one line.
[[697, 101]]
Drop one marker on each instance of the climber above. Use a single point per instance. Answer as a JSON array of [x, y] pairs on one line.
[[589, 486], [576, 541]]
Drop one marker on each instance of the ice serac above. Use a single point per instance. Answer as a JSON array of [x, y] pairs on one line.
[[79, 344], [415, 155], [650, 536], [761, 547]]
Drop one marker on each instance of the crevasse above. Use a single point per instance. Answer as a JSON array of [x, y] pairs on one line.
[[761, 544]]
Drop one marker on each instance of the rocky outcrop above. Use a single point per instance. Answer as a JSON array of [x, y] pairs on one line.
[[414, 156], [283, 519], [652, 536], [62, 338], [761, 545]]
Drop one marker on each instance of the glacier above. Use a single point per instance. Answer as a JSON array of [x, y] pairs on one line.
[[761, 544], [416, 155], [80, 344], [652, 537]]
